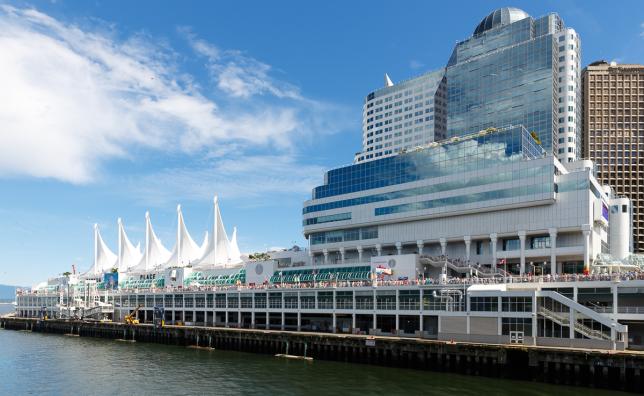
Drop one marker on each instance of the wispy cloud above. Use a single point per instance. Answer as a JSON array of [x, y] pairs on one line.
[[238, 74], [414, 64], [248, 180], [74, 98], [642, 28]]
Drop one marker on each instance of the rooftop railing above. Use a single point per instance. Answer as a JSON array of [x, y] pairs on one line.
[[385, 283]]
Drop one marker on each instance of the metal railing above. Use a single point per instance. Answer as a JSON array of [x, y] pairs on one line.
[[563, 319], [344, 304], [409, 305]]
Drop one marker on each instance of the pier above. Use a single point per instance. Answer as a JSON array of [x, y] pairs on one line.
[[619, 370]]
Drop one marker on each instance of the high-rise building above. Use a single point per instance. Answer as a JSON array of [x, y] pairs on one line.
[[403, 115], [513, 70], [517, 70], [614, 132]]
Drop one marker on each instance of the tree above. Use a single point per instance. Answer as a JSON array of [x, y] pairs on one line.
[[259, 256], [66, 273]]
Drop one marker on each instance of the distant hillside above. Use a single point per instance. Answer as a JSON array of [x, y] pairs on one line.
[[7, 292]]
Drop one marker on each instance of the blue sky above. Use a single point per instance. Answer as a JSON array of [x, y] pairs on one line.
[[112, 108]]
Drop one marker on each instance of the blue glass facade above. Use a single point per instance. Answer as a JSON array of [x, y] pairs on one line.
[[481, 197], [477, 151], [506, 76], [470, 181]]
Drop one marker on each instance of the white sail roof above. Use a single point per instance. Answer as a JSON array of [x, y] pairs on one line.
[[155, 253], [233, 244], [128, 255], [186, 250], [218, 252], [104, 258]]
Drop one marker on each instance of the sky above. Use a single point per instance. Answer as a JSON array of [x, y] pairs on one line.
[[110, 109]]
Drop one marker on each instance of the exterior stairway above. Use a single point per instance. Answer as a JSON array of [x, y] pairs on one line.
[[462, 267], [563, 319]]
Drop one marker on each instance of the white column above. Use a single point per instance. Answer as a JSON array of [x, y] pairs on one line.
[[443, 242], [468, 245], [553, 249], [325, 252], [586, 232], [420, 245], [342, 255], [379, 249], [399, 247], [522, 243], [615, 296], [359, 253], [493, 239]]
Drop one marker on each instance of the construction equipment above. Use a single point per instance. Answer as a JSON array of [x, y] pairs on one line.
[[131, 318]]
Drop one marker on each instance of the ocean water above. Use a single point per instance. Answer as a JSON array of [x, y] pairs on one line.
[[46, 364]]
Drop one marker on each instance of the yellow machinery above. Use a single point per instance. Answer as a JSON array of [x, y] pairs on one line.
[[131, 318]]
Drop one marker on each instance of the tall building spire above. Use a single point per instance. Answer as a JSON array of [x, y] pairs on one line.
[[388, 82]]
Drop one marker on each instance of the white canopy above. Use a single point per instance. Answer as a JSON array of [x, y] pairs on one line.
[[216, 251], [128, 255], [104, 258], [186, 250], [233, 244], [219, 252], [155, 254]]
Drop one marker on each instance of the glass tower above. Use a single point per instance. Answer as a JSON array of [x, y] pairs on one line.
[[516, 70]]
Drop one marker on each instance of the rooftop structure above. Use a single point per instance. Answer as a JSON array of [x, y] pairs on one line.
[[500, 17], [216, 251]]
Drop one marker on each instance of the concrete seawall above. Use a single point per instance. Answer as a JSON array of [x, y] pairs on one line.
[[580, 367]]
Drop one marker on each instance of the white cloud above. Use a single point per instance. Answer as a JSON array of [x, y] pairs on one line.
[[73, 98], [247, 180], [240, 75]]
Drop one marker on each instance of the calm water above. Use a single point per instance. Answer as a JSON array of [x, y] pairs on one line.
[[32, 363]]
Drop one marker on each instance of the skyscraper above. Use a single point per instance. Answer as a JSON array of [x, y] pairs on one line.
[[515, 69], [403, 115], [614, 132]]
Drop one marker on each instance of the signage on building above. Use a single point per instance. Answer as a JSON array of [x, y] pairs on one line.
[[111, 280]]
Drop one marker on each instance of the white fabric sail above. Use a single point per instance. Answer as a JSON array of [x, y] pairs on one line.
[[233, 244], [218, 252], [104, 258], [155, 254], [186, 250], [128, 255]]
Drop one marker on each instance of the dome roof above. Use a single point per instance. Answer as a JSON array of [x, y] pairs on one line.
[[502, 16]]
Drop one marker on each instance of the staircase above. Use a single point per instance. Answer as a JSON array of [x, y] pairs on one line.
[[563, 319], [463, 268], [98, 312]]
